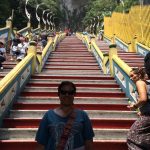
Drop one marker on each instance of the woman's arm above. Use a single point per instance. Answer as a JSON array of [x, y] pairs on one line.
[[39, 147], [89, 144], [142, 91]]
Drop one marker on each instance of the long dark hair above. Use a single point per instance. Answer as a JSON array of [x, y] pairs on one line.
[[147, 64], [140, 72]]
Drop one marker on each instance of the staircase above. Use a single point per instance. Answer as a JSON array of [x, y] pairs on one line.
[[130, 58], [7, 65], [98, 94]]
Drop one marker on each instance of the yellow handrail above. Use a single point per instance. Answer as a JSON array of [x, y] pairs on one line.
[[14, 72]]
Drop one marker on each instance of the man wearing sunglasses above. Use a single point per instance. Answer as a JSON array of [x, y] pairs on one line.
[[65, 127]]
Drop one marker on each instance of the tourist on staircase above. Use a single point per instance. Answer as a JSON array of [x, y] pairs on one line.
[[19, 48], [22, 49], [14, 47], [43, 40], [65, 128], [2, 54], [138, 137]]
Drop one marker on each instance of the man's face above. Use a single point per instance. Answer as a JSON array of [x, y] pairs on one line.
[[66, 95]]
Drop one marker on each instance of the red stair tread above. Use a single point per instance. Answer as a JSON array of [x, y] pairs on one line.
[[95, 94], [96, 123], [31, 145], [77, 85], [32, 106], [125, 56], [72, 77]]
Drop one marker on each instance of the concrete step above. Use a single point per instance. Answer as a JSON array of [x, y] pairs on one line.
[[93, 114], [10, 63], [75, 77], [101, 83], [36, 83], [77, 82], [72, 72], [79, 89], [78, 100], [70, 64], [67, 53], [132, 59], [90, 106], [5, 70], [62, 58], [71, 49], [70, 60], [71, 67], [29, 134], [31, 144], [102, 123], [78, 94]]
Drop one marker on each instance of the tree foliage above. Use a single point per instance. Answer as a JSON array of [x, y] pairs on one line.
[[5, 11], [20, 20], [126, 5], [93, 11], [103, 8]]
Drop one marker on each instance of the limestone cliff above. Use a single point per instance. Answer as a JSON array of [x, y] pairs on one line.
[[74, 12]]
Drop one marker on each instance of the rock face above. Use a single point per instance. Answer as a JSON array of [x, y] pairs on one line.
[[74, 12], [71, 5]]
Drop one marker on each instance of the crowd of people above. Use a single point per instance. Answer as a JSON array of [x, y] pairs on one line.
[[2, 54], [19, 46]]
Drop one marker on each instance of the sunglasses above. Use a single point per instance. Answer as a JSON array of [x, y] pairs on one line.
[[67, 92]]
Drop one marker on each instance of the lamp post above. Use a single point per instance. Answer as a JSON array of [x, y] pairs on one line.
[[54, 22], [29, 20], [37, 17], [91, 24], [98, 21], [44, 21], [49, 16], [27, 13], [48, 22], [51, 23]]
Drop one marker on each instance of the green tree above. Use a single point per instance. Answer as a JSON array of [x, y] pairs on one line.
[[20, 20], [125, 5], [97, 10], [5, 12]]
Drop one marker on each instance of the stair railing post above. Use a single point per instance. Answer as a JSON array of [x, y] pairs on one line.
[[105, 59], [29, 31], [59, 36], [39, 26], [92, 38], [83, 38], [113, 39], [132, 45], [9, 25], [112, 52], [32, 50]]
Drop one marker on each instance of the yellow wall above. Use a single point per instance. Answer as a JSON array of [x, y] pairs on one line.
[[127, 26]]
